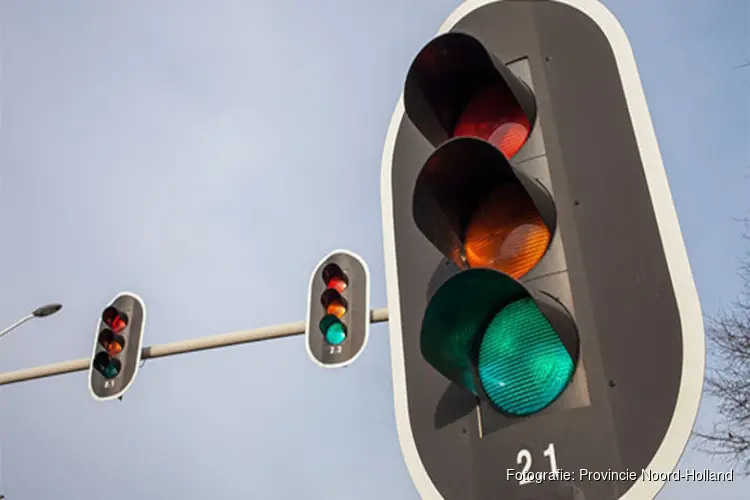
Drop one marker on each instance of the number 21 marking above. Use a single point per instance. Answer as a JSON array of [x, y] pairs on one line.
[[524, 458]]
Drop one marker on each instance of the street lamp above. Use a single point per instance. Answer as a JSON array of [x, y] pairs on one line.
[[39, 312]]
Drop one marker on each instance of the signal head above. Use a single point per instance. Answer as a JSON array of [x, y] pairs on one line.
[[117, 347], [532, 251], [338, 316]]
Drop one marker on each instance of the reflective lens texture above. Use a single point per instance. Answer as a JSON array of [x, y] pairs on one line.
[[507, 232], [495, 116], [523, 365]]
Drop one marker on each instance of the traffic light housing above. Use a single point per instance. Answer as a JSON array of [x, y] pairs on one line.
[[117, 347], [542, 310], [338, 310]]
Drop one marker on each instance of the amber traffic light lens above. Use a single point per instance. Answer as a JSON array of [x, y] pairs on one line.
[[336, 308], [495, 116], [507, 232], [114, 344], [333, 303], [114, 348]]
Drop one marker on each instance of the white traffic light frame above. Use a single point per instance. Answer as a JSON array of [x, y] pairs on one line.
[[693, 366], [310, 328], [119, 394]]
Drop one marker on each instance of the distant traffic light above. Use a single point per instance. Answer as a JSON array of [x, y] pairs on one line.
[[542, 310], [338, 317], [117, 350]]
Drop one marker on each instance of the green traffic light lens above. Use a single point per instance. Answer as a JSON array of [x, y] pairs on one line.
[[108, 367], [111, 371], [483, 330], [523, 365], [335, 334], [456, 315], [333, 330]]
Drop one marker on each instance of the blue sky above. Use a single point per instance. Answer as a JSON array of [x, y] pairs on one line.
[[207, 155]]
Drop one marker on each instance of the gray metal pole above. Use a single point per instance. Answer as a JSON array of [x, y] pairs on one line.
[[17, 324], [181, 347]]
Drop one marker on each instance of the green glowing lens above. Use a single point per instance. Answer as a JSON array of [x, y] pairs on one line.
[[333, 329], [456, 315], [335, 334], [111, 371], [523, 365]]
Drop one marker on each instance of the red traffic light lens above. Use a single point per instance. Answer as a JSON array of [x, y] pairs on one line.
[[114, 319], [495, 116], [337, 283], [335, 278]]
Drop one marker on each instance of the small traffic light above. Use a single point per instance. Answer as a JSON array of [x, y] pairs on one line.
[[117, 349], [338, 309], [542, 311]]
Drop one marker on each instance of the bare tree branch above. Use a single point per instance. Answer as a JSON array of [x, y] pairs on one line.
[[728, 378]]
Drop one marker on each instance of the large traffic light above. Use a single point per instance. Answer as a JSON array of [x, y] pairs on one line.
[[338, 309], [117, 347], [542, 310]]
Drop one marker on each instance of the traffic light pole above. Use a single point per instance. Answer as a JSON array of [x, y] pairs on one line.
[[181, 347]]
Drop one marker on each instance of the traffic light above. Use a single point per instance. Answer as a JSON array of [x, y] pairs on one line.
[[543, 316], [117, 347], [338, 310]]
